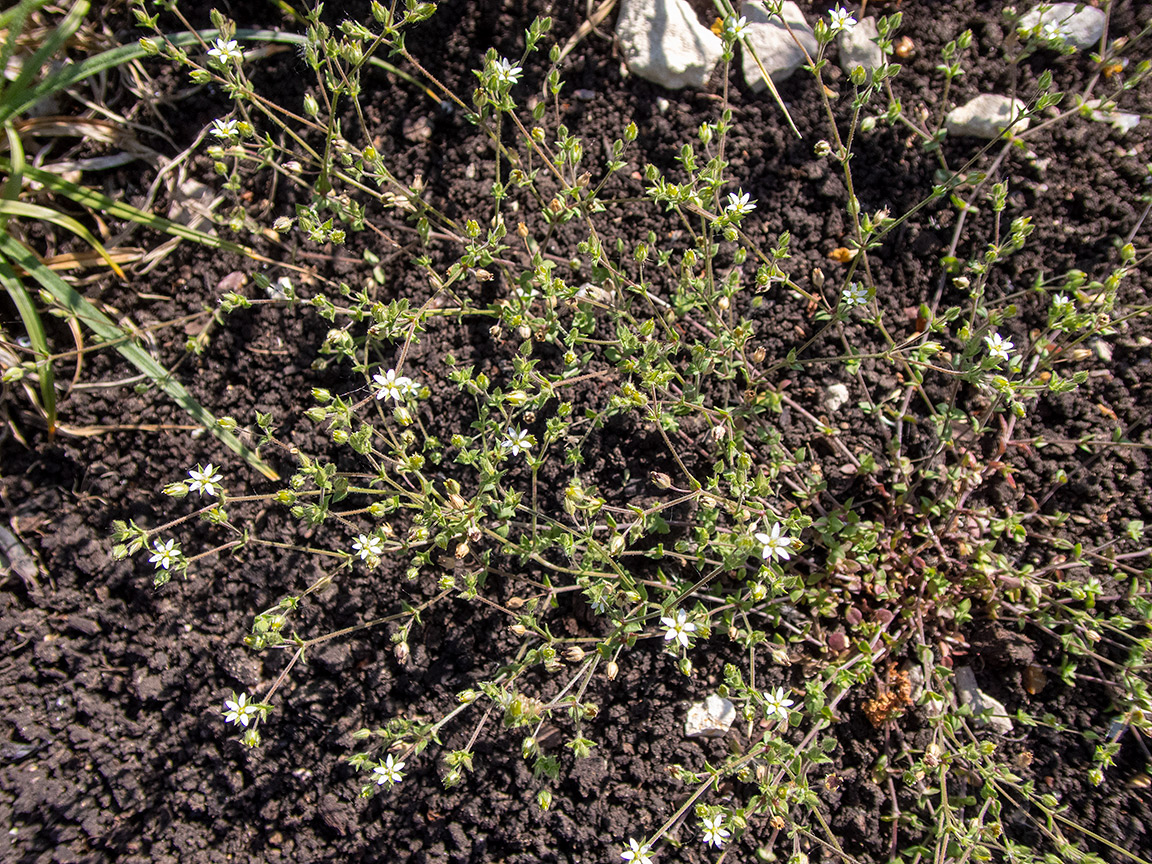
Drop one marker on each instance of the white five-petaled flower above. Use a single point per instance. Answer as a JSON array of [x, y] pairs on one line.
[[855, 294], [204, 480], [840, 19], [775, 546], [390, 772], [166, 555], [506, 73], [678, 628], [714, 832], [367, 545], [517, 442], [637, 853], [1054, 31], [392, 386], [998, 347], [226, 51], [776, 704], [736, 27], [224, 128], [1061, 302], [739, 204], [239, 709]]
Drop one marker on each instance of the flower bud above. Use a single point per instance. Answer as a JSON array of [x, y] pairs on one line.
[[402, 652], [616, 545], [311, 108], [517, 397], [758, 355], [661, 480], [544, 799]]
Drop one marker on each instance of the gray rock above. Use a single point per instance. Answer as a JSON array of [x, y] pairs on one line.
[[986, 117], [774, 45], [664, 43], [969, 694], [858, 49], [1081, 29], [711, 718]]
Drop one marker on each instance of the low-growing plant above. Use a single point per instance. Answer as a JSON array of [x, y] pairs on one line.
[[726, 533]]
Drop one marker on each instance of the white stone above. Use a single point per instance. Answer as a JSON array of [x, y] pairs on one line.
[[835, 397], [858, 49], [970, 694], [1081, 29], [774, 45], [711, 718], [986, 117], [1121, 121], [663, 42]]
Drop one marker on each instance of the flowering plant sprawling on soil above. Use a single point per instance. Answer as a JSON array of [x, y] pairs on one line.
[[802, 578]]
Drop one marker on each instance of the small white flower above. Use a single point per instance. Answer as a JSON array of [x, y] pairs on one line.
[[775, 704], [679, 628], [204, 480], [239, 709], [1053, 31], [839, 19], [739, 204], [774, 545], [714, 832], [998, 347], [224, 128], [226, 51], [1061, 302], [854, 294], [506, 73], [392, 386], [518, 441], [637, 853], [408, 386], [166, 555], [390, 772], [367, 545], [736, 27]]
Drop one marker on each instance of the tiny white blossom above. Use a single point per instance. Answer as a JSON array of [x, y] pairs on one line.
[[204, 480], [517, 442], [854, 294], [998, 346], [226, 51], [392, 386], [714, 832], [239, 710], [775, 704], [1061, 302], [739, 204], [736, 27], [390, 772], [1054, 31], [637, 853], [775, 546], [408, 386], [679, 628], [506, 73], [840, 20], [367, 545], [166, 555], [224, 128]]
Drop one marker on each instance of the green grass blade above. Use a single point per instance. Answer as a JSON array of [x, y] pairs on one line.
[[98, 201], [105, 328], [34, 327], [21, 209], [49, 48]]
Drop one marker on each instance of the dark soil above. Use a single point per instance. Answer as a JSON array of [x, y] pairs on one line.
[[113, 746]]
